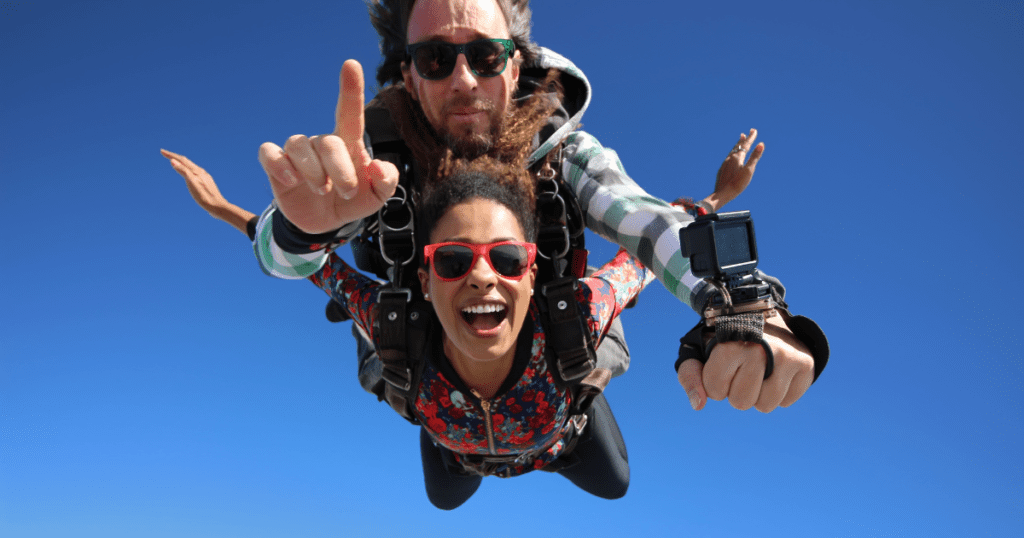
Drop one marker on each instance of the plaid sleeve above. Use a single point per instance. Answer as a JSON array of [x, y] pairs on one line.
[[290, 254], [622, 212]]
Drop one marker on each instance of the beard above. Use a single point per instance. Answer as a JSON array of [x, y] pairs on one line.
[[470, 144]]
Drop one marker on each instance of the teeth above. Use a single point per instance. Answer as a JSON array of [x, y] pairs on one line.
[[484, 309]]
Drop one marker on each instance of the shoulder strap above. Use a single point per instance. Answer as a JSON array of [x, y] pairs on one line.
[[403, 327]]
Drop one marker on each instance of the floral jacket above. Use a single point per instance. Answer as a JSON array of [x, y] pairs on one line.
[[528, 416]]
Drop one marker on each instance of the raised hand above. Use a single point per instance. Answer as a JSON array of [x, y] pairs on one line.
[[204, 191], [324, 182], [734, 175]]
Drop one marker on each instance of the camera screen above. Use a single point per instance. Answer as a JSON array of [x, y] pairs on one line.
[[732, 243]]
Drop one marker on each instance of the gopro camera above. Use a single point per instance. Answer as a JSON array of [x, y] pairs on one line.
[[722, 248]]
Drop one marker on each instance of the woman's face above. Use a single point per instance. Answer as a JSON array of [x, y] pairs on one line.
[[483, 312]]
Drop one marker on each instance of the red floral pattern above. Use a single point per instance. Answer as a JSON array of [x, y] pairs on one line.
[[533, 414]]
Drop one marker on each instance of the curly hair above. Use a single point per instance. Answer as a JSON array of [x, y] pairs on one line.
[[450, 177], [391, 20], [512, 142]]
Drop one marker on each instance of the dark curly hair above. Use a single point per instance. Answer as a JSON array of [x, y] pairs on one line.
[[391, 20], [449, 177]]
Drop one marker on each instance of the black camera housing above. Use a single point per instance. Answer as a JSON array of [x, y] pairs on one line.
[[722, 248], [720, 245]]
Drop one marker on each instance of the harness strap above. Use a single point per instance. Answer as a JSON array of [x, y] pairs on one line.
[[567, 337], [400, 372]]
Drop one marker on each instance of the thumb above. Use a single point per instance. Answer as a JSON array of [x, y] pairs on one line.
[[691, 378]]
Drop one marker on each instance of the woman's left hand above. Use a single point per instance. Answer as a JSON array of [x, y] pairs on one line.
[[734, 175]]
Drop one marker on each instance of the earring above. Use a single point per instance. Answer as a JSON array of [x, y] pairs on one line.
[[426, 296]]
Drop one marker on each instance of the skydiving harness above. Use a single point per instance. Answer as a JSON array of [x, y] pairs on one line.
[[388, 248]]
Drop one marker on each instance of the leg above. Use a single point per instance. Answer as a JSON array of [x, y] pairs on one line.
[[445, 489], [602, 465], [613, 353]]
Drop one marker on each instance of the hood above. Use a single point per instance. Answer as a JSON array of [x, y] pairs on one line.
[[574, 102]]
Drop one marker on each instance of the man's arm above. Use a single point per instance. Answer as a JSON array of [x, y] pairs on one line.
[[618, 209], [621, 211]]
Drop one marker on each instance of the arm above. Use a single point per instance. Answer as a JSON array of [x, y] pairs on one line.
[[607, 292], [622, 212], [205, 192], [351, 289]]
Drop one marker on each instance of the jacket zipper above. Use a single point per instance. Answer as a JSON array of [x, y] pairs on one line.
[[486, 405]]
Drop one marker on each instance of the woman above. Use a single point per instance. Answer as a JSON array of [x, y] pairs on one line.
[[486, 400], [486, 390]]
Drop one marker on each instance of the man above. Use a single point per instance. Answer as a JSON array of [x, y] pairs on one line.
[[326, 185]]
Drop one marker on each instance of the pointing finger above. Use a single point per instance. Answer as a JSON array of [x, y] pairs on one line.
[[349, 121]]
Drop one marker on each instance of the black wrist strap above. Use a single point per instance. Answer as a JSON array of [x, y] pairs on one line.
[[691, 346]]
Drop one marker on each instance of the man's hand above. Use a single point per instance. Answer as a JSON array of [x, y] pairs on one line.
[[325, 182], [735, 371], [734, 176]]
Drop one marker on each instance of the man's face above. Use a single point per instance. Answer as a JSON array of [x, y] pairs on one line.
[[462, 107]]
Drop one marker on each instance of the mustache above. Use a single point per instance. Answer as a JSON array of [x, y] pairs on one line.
[[468, 101]]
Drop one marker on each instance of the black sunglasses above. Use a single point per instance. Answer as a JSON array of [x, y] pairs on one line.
[[435, 60]]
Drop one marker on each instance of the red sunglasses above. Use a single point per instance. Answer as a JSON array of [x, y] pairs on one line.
[[453, 261]]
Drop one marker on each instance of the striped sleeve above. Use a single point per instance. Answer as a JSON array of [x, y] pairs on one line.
[[619, 210]]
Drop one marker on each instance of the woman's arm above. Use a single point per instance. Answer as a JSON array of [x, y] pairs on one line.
[[610, 289], [205, 192]]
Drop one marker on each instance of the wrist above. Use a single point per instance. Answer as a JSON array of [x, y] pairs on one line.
[[712, 203]]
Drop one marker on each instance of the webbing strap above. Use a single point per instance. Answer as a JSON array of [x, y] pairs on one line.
[[566, 334], [398, 371]]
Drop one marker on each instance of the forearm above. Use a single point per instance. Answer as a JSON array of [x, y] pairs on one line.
[[611, 288], [237, 217], [351, 289], [622, 212]]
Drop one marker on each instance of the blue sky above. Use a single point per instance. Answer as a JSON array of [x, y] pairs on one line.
[[153, 382]]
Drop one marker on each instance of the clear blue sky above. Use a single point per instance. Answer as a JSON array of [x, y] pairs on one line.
[[153, 382]]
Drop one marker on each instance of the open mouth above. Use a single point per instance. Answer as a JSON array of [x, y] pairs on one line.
[[484, 317]]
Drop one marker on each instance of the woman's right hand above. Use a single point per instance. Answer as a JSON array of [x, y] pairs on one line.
[[199, 182], [324, 182]]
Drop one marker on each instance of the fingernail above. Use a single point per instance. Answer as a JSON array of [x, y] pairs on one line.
[[289, 179], [694, 398], [322, 190], [348, 195]]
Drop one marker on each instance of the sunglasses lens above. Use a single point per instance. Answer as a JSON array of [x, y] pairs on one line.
[[435, 60], [452, 261], [509, 260], [487, 58]]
